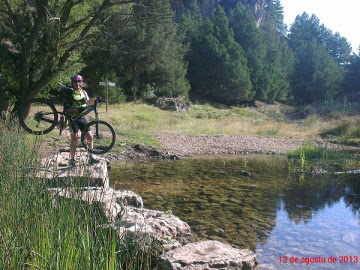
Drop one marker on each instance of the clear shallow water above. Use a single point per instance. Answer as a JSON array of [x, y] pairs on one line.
[[280, 217]]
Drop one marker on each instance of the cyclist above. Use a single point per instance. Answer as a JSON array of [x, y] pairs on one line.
[[75, 103]]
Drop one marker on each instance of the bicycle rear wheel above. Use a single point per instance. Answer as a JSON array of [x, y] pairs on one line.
[[103, 137], [38, 116]]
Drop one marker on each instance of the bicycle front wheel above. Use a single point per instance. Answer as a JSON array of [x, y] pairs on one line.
[[103, 137], [38, 116]]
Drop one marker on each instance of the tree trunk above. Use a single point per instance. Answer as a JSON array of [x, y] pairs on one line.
[[134, 84], [4, 100]]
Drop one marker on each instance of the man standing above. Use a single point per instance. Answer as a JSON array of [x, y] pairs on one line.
[[74, 104]]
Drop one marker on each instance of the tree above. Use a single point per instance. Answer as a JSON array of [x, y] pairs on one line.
[[339, 48], [279, 67], [306, 28], [275, 16], [148, 54], [217, 66], [317, 77], [43, 40], [251, 40], [352, 79], [270, 61]]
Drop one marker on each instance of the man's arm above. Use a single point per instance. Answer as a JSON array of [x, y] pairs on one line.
[[89, 101]]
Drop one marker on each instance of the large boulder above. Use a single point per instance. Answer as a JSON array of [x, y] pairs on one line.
[[172, 104], [147, 225], [124, 210], [207, 255]]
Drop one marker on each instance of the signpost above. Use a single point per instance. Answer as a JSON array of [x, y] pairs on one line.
[[107, 84]]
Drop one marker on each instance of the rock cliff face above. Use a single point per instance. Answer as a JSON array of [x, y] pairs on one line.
[[207, 6]]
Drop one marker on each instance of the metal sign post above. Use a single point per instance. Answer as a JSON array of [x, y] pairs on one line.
[[107, 84]]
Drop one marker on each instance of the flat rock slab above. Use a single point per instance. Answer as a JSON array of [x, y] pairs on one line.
[[111, 202], [57, 173], [207, 255]]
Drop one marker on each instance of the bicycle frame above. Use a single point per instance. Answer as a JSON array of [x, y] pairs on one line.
[[88, 110]]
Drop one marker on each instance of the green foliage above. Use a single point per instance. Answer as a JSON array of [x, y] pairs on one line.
[[275, 16], [44, 42], [346, 132], [150, 53], [317, 76], [262, 55], [279, 68], [225, 58], [252, 40], [217, 65], [327, 158], [352, 79]]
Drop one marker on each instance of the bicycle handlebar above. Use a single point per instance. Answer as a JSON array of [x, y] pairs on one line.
[[66, 87], [98, 98]]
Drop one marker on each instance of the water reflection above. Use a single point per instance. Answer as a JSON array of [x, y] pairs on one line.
[[263, 212]]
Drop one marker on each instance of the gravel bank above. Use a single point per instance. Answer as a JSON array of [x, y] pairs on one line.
[[177, 146], [185, 146]]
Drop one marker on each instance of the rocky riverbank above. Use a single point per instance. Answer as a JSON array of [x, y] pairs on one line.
[[173, 234], [178, 146], [170, 237]]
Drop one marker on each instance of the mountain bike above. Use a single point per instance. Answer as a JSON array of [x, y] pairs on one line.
[[39, 116]]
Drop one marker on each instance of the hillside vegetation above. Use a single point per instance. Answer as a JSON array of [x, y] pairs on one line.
[[142, 46]]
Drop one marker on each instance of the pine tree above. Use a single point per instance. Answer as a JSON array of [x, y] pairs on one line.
[[269, 59], [317, 76], [217, 65], [352, 79], [150, 53], [275, 16], [250, 38]]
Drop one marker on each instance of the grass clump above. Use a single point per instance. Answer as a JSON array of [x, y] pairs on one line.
[[271, 131], [39, 230], [347, 132], [309, 155]]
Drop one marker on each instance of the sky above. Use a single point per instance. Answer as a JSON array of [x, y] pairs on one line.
[[341, 16]]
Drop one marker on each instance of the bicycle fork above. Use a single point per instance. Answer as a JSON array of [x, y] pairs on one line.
[[97, 134], [61, 124]]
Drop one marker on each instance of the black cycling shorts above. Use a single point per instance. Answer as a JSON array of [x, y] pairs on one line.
[[79, 125]]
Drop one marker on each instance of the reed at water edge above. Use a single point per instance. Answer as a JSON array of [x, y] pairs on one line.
[[35, 233]]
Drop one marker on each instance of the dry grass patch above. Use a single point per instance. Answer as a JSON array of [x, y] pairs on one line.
[[141, 123]]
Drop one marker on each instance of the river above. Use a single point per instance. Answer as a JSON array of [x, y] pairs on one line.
[[289, 221]]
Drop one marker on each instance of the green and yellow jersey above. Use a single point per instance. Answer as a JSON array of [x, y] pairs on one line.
[[74, 100]]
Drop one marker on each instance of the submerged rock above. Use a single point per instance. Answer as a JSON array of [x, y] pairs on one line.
[[244, 173]]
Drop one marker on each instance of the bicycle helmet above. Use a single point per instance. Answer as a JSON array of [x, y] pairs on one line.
[[76, 77]]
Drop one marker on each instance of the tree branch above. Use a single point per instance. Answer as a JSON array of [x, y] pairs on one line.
[[84, 35]]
